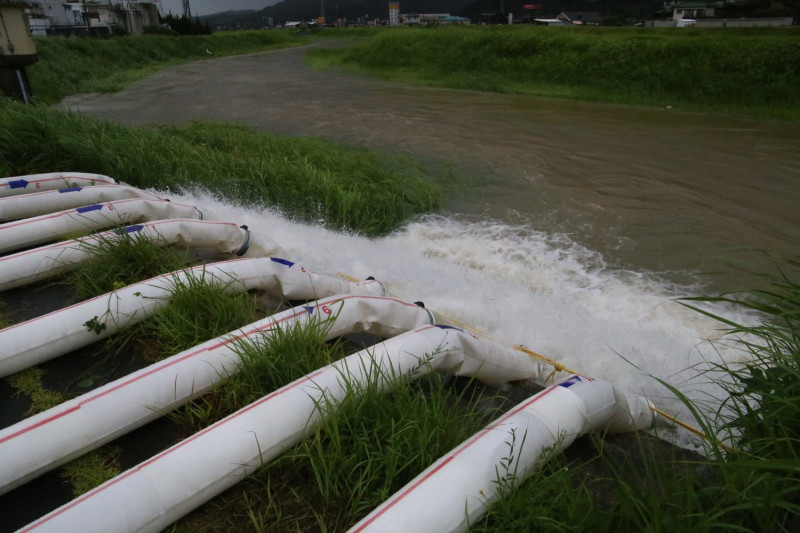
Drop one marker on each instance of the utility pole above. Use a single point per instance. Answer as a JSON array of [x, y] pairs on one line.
[[187, 11]]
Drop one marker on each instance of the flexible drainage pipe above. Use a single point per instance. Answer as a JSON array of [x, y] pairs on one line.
[[53, 437], [16, 185], [46, 261], [40, 339], [458, 488], [47, 228], [40, 203], [160, 490]]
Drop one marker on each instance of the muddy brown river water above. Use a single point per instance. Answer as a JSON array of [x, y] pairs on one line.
[[651, 189]]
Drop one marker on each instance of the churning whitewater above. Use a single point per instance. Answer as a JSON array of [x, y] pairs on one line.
[[525, 287]]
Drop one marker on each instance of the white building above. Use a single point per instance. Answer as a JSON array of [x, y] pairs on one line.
[[684, 14], [57, 16], [692, 10]]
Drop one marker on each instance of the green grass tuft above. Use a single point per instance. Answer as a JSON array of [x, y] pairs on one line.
[[120, 261], [269, 361], [198, 311], [92, 469], [29, 383], [374, 441]]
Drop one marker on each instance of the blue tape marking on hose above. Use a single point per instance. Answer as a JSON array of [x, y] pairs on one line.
[[570, 382], [87, 208], [70, 189], [129, 229], [18, 184], [282, 261]]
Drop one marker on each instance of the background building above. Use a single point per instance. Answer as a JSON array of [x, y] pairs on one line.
[[56, 17]]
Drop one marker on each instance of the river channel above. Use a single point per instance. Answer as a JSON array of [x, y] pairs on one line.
[[566, 226], [656, 190]]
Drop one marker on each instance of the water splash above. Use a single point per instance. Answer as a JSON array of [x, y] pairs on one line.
[[522, 286]]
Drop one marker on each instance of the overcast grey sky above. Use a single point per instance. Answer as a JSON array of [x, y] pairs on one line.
[[207, 7]]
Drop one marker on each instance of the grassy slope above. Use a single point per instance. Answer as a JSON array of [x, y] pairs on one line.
[[73, 66], [308, 179], [749, 71]]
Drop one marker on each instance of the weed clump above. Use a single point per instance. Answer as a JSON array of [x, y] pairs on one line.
[[29, 383], [268, 361], [198, 310], [374, 441], [120, 261], [92, 469]]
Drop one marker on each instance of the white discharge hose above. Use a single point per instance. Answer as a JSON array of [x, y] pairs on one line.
[[31, 183], [60, 332], [47, 228], [162, 489], [458, 488], [54, 437], [40, 203], [50, 260]]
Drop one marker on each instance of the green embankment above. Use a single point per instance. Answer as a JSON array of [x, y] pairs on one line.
[[308, 179], [748, 71], [81, 65]]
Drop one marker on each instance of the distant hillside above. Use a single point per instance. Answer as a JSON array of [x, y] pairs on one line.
[[353, 10], [231, 19], [623, 9]]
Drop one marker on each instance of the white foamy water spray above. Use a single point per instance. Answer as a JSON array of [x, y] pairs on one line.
[[521, 286]]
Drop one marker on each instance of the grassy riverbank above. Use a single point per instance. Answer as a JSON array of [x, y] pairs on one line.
[[83, 65], [308, 179], [747, 71]]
